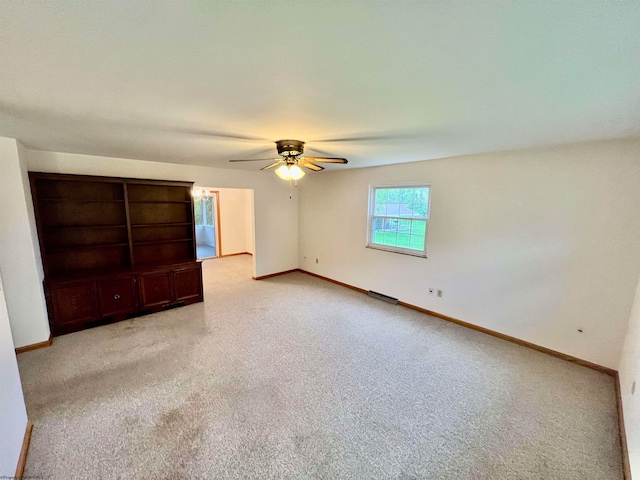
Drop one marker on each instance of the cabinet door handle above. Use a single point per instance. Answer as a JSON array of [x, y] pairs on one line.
[[116, 297]]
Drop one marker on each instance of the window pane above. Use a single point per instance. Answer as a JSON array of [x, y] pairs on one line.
[[418, 227], [390, 238], [420, 200], [404, 210], [406, 202], [417, 242], [404, 226], [392, 209], [209, 209], [381, 195], [381, 209], [406, 195], [197, 208], [377, 230], [402, 202], [404, 229], [403, 240], [393, 195]]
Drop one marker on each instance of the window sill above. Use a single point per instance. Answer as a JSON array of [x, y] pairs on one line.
[[418, 254]]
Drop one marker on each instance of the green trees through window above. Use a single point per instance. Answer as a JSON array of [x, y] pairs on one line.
[[203, 211], [209, 211], [398, 218], [197, 210]]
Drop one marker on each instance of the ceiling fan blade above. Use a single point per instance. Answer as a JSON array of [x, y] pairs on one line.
[[257, 160], [363, 138], [259, 153], [379, 136], [131, 124], [324, 153], [310, 166], [327, 160], [216, 133], [277, 162]]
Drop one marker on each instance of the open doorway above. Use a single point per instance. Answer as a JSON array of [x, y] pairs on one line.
[[207, 213], [224, 221]]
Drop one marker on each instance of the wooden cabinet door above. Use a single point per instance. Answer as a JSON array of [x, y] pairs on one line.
[[74, 303], [187, 283], [117, 296], [155, 289]]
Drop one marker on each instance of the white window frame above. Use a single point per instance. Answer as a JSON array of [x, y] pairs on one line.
[[371, 216]]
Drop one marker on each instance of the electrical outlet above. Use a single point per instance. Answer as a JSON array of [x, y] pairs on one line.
[[316, 260], [440, 293], [431, 291]]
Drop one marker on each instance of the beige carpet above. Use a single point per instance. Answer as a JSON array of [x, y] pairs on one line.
[[294, 377]]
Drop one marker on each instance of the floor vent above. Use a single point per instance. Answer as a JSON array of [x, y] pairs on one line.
[[384, 298]]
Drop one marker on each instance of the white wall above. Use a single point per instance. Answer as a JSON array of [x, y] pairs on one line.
[[13, 413], [629, 371], [249, 221], [533, 244], [233, 221], [19, 252]]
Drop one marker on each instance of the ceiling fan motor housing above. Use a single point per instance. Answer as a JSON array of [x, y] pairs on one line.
[[290, 148]]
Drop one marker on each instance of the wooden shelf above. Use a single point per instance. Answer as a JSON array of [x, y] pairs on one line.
[[85, 226], [176, 193], [76, 200], [156, 242], [154, 218], [159, 201], [117, 271], [160, 224], [70, 248]]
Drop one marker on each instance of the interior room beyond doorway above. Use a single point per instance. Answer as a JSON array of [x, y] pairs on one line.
[[223, 221]]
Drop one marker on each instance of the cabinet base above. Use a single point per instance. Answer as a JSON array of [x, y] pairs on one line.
[[76, 327]]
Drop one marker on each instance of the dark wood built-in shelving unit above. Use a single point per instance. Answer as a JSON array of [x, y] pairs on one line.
[[114, 247]]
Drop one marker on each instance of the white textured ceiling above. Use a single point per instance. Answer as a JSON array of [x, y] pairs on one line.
[[405, 81]]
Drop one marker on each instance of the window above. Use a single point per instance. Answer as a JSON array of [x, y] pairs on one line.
[[203, 209], [207, 204], [398, 217], [197, 209]]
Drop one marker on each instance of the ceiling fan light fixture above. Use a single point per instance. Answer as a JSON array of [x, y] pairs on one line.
[[290, 172], [296, 172], [283, 172]]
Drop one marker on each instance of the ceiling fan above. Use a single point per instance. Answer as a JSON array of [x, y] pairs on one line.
[[291, 159]]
